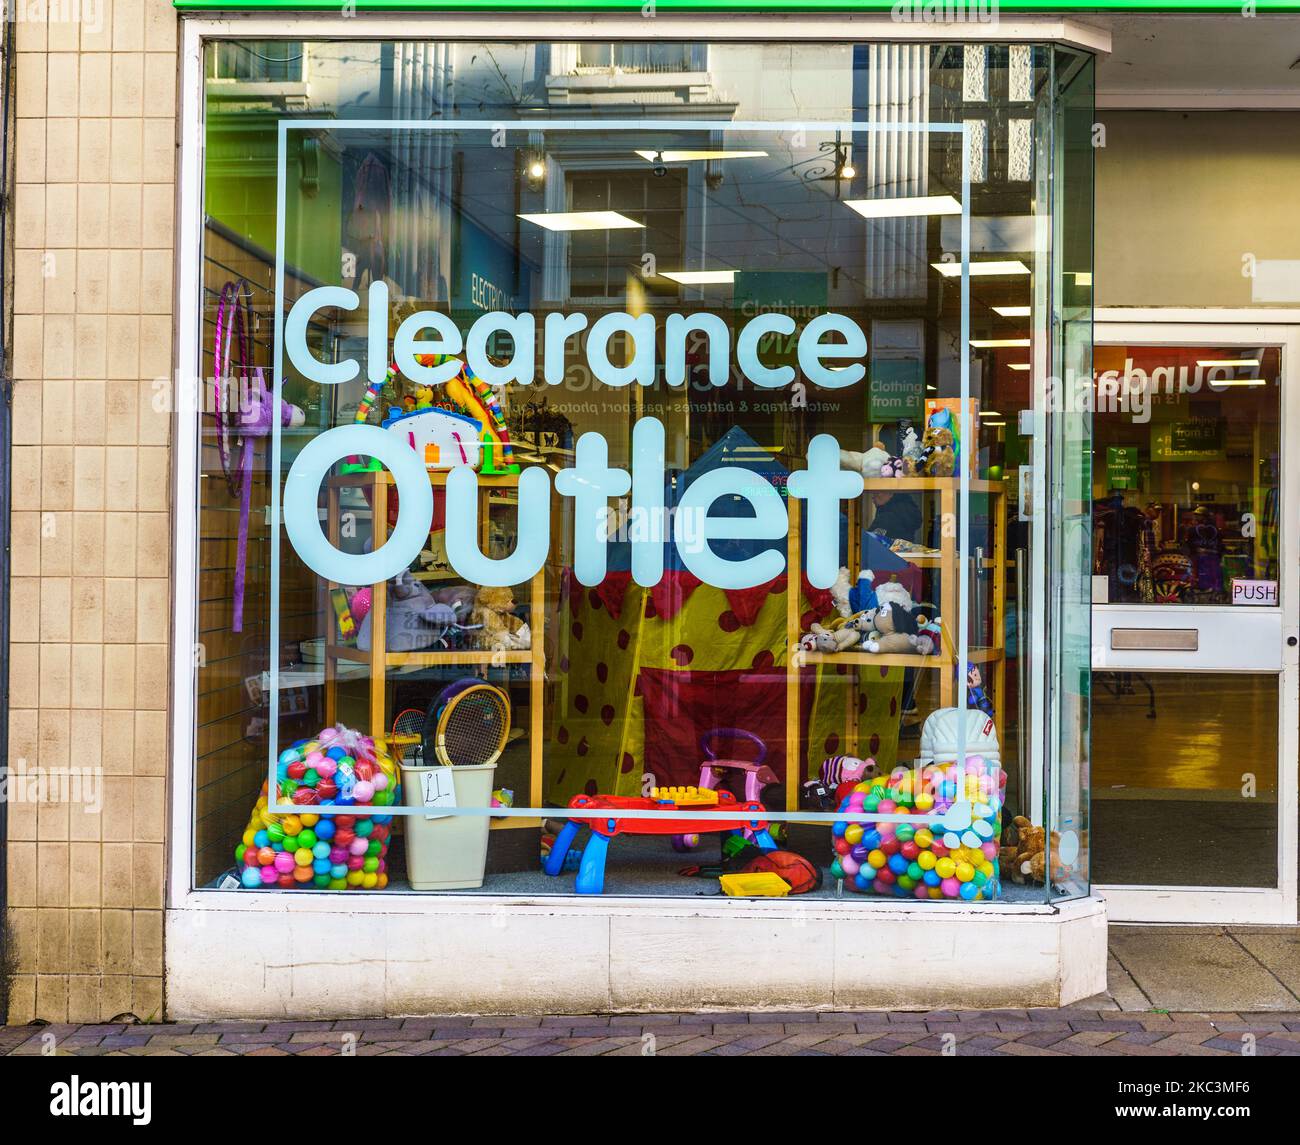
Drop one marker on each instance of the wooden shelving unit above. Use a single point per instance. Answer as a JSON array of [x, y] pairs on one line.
[[948, 565], [381, 662]]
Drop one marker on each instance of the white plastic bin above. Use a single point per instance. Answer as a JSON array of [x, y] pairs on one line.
[[448, 853]]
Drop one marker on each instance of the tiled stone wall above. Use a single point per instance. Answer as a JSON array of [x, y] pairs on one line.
[[93, 203]]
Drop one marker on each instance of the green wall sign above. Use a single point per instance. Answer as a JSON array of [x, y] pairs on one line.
[[929, 10]]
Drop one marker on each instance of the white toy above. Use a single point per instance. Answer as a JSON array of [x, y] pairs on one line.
[[444, 439], [939, 736], [868, 464]]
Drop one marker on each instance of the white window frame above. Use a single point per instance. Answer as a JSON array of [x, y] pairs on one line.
[[187, 302]]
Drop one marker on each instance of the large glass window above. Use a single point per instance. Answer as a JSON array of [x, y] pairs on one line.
[[634, 469]]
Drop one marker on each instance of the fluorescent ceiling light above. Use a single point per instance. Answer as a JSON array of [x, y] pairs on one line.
[[583, 221], [989, 413], [998, 343], [1227, 362], [695, 156], [1082, 277], [1012, 311], [1017, 365], [1238, 382], [993, 423], [905, 207], [1008, 266], [699, 277]]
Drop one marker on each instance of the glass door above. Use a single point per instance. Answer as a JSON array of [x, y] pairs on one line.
[[1194, 622]]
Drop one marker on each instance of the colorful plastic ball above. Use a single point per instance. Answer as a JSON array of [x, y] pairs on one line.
[[848, 866], [877, 859], [265, 856], [325, 828], [965, 872], [338, 871], [321, 866], [240, 850], [321, 850], [302, 857], [302, 874], [946, 867], [251, 877], [909, 850], [307, 838], [969, 891], [837, 870], [951, 888], [283, 862], [269, 875], [931, 878], [364, 827], [358, 846], [380, 782]]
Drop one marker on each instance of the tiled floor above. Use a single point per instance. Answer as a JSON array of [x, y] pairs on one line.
[[1173, 991]]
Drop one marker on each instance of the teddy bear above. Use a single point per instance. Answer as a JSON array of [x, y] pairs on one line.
[[898, 467], [868, 463], [938, 457], [1023, 854], [499, 629], [894, 631]]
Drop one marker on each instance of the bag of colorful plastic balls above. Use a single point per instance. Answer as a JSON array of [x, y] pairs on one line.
[[337, 768], [924, 859]]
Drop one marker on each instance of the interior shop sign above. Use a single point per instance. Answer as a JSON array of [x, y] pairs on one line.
[[591, 481]]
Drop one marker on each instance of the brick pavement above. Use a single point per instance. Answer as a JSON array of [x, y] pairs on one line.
[[997, 1033]]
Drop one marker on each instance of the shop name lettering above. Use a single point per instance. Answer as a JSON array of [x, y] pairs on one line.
[[591, 482]]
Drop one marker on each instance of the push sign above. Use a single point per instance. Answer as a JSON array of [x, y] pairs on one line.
[[1254, 592]]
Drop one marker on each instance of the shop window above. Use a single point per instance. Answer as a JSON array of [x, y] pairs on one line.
[[595, 499]]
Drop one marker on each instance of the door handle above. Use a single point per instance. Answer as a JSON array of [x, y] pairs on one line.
[[1155, 639]]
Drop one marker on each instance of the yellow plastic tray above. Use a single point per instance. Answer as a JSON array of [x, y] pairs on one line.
[[760, 884]]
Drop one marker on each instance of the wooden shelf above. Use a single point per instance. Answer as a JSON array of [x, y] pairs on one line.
[[931, 485], [433, 659], [902, 659], [379, 483], [950, 569]]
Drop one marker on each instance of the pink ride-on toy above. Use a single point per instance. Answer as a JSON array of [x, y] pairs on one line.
[[713, 770]]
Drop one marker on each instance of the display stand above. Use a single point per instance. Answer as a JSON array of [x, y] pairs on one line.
[[992, 655], [380, 661]]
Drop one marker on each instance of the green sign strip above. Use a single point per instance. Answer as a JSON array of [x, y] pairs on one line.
[[946, 14]]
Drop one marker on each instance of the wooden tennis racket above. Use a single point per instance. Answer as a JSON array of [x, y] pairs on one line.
[[468, 724]]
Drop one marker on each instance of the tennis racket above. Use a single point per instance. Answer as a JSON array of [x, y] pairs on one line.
[[407, 736], [468, 724]]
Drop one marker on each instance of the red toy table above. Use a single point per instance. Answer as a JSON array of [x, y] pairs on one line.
[[591, 871]]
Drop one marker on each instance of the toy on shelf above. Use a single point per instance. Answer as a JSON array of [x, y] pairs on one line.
[[591, 869], [894, 630], [685, 796], [949, 854], [498, 628], [466, 428], [338, 767]]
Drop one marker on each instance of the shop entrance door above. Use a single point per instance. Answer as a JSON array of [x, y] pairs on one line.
[[1196, 488]]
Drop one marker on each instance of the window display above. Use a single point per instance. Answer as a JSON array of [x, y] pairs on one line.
[[620, 487]]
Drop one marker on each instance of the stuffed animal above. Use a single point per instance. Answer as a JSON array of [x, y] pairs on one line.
[[892, 592], [500, 630], [1023, 855], [868, 463], [929, 630], [938, 458], [819, 639], [909, 447], [895, 631], [898, 467], [851, 598]]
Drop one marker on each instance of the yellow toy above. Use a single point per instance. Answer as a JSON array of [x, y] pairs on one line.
[[685, 796]]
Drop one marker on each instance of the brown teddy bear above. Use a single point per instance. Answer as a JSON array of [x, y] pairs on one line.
[[1023, 855], [499, 629], [938, 457]]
